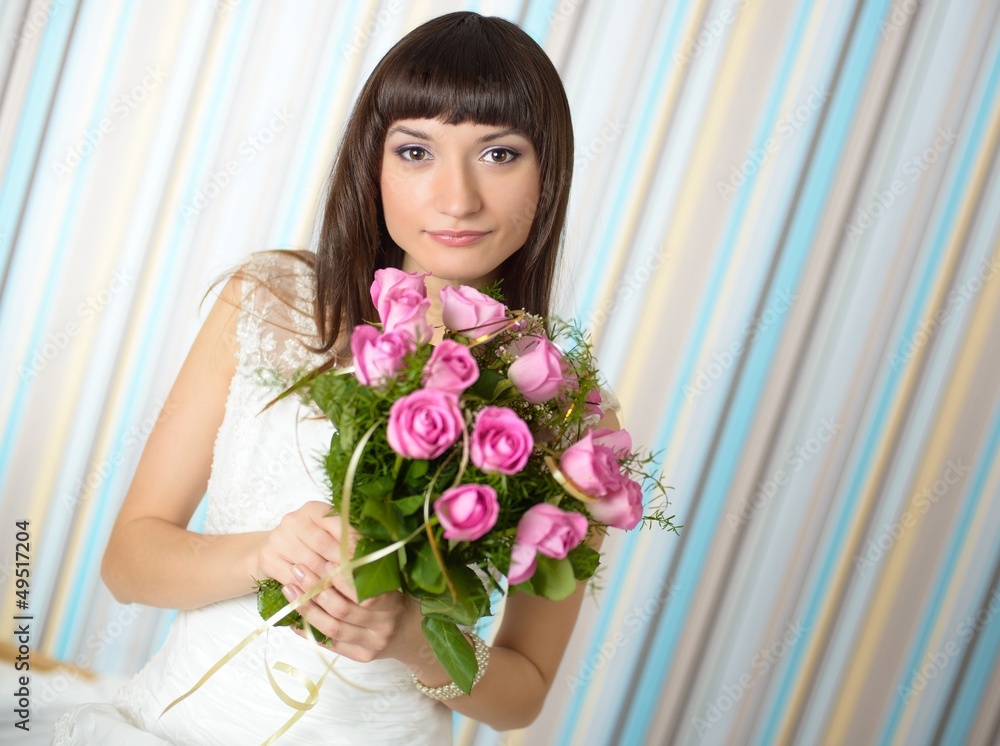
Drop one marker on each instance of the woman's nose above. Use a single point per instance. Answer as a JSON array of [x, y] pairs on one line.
[[456, 192]]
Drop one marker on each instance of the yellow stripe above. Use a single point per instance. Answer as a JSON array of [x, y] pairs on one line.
[[629, 390], [643, 184], [963, 569], [320, 159], [744, 251], [64, 594], [594, 691], [873, 628], [37, 495]]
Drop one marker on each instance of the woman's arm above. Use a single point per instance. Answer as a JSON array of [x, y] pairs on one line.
[[151, 558], [523, 662]]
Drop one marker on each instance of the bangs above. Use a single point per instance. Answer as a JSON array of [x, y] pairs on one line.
[[466, 76]]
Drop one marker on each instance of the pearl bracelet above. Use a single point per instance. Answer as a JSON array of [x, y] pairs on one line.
[[451, 690]]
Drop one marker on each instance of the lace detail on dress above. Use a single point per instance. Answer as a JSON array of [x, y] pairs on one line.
[[248, 469], [62, 731]]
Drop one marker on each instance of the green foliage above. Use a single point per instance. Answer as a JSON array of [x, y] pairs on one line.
[[553, 578], [392, 498], [270, 600], [453, 650], [584, 561], [378, 577]]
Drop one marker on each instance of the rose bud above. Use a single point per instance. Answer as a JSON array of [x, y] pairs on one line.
[[547, 529], [538, 373], [471, 313], [501, 441], [422, 425], [468, 511], [595, 470], [451, 367], [620, 507], [378, 356], [402, 303]]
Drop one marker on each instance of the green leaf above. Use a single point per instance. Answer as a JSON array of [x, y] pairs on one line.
[[374, 489], [453, 650], [486, 385], [472, 602], [382, 511], [505, 391], [418, 468], [553, 578], [426, 571], [409, 505], [584, 560], [270, 600], [372, 529], [380, 576]]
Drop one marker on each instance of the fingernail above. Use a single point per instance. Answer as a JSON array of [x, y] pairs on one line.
[[289, 593], [297, 572]]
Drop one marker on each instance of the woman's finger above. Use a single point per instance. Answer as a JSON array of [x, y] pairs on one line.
[[332, 614]]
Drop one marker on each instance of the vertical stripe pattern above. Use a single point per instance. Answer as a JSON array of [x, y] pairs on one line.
[[783, 236]]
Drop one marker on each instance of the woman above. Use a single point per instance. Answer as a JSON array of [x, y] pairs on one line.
[[456, 161]]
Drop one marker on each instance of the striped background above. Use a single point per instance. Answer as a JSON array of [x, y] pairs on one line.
[[783, 235]]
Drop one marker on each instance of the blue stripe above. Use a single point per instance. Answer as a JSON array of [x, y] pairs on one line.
[[870, 446], [759, 362], [537, 21], [319, 133], [945, 575], [151, 340], [15, 195], [636, 158], [623, 560], [975, 683], [14, 191], [934, 603]]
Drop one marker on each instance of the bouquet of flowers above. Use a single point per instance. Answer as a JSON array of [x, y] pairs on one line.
[[475, 458]]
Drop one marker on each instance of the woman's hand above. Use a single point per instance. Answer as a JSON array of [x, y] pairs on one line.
[[308, 537], [385, 626]]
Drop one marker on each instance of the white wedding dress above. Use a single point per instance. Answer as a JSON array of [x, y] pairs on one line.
[[265, 465]]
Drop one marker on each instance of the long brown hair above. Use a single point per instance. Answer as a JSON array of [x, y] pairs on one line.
[[458, 67]]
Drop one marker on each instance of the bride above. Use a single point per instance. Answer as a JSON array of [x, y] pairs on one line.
[[456, 161]]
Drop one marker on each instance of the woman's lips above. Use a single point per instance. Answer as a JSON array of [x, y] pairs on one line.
[[456, 238]]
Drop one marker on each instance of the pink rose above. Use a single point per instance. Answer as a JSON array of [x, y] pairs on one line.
[[538, 373], [593, 403], [595, 469], [378, 356], [547, 529], [401, 301], [422, 425], [620, 507], [501, 441], [467, 511], [618, 441], [471, 313], [591, 467], [451, 367]]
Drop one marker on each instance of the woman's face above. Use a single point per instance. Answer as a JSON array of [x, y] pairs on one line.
[[458, 199]]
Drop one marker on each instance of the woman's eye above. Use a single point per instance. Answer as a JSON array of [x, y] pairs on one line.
[[412, 153], [502, 155]]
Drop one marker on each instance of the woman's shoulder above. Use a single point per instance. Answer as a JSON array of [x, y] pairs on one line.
[[277, 303], [277, 278], [283, 273]]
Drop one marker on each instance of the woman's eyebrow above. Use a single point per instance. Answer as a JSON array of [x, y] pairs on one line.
[[501, 133], [408, 131], [424, 136]]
